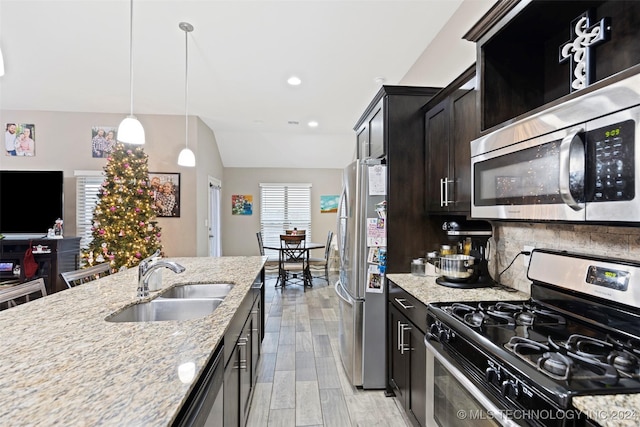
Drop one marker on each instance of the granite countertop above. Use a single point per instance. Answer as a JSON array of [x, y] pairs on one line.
[[426, 290], [619, 410], [62, 363]]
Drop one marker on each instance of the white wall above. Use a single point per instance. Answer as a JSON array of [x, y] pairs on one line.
[[63, 142], [239, 231]]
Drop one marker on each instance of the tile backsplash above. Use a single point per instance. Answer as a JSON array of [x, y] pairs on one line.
[[509, 238]]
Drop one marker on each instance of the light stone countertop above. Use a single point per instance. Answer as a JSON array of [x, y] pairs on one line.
[[619, 410], [63, 364]]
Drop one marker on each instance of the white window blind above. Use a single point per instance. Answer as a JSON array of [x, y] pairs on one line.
[[284, 207], [88, 185]]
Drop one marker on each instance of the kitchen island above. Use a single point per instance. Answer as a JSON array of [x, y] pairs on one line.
[[64, 364]]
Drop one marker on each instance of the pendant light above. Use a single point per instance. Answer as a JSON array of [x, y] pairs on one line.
[[130, 130], [186, 157]]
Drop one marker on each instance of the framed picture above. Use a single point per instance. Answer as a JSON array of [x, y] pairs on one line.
[[103, 140], [329, 204], [241, 204], [166, 193], [20, 139]]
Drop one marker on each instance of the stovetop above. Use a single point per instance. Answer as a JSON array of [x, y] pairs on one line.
[[579, 357]]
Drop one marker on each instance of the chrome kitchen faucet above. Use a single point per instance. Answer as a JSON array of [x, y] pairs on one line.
[[146, 268]]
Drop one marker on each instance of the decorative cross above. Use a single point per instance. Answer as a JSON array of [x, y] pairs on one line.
[[584, 37]]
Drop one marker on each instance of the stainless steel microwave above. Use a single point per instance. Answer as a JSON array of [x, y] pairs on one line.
[[576, 161]]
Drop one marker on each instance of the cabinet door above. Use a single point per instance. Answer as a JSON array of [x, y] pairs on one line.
[[232, 390], [437, 139], [417, 398], [245, 348], [376, 132], [465, 128], [363, 141], [398, 357]]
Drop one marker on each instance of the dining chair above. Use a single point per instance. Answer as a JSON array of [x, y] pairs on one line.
[[273, 263], [322, 264], [293, 264], [10, 294], [84, 275]]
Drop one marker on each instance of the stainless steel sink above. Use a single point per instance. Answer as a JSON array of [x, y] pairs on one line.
[[198, 290], [162, 309]]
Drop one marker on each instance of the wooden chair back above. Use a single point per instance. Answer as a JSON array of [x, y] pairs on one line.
[[25, 289]]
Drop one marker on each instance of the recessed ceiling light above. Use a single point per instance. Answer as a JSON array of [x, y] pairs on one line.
[[313, 124], [294, 81], [380, 80]]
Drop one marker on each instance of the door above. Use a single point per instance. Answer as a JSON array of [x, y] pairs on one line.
[[350, 334], [437, 138], [347, 229], [213, 223], [464, 130], [398, 357]]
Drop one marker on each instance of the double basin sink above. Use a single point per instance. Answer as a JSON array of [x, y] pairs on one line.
[[181, 302]]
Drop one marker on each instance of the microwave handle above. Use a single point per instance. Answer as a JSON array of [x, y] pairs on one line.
[[571, 150]]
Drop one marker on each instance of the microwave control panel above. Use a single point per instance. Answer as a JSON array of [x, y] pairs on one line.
[[612, 162]]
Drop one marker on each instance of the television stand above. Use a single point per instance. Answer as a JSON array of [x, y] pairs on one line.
[[61, 255]]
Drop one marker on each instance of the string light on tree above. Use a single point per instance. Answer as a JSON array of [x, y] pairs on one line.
[[123, 229]]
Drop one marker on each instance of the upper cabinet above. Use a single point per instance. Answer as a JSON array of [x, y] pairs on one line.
[[392, 127], [451, 123], [521, 65]]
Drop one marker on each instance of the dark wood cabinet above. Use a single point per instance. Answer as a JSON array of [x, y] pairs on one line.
[[406, 351], [242, 352], [451, 123], [394, 121], [518, 51], [57, 256]]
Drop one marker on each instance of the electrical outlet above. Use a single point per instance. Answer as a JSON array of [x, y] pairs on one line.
[[527, 258]]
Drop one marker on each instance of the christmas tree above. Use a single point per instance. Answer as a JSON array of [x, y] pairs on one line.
[[123, 228]]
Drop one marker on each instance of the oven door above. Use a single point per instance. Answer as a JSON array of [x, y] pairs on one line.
[[455, 401]]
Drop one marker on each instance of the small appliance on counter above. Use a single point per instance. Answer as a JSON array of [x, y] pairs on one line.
[[466, 267]]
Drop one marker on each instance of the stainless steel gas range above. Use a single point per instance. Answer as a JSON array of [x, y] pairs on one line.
[[520, 363]]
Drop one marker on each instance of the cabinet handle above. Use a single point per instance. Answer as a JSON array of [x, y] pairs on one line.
[[403, 327], [401, 301], [444, 191], [242, 343], [399, 334]]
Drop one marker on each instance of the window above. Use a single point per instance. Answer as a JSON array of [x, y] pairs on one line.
[[284, 207], [88, 185]]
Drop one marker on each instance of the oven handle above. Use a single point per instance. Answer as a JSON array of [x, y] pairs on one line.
[[487, 404], [571, 151]]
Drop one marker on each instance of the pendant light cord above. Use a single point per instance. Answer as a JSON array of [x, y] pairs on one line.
[[131, 52], [186, 88]]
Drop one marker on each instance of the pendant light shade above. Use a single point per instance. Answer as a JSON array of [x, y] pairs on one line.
[[130, 130], [186, 157]]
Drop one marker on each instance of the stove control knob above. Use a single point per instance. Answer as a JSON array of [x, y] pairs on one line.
[[511, 388], [434, 331], [492, 375]]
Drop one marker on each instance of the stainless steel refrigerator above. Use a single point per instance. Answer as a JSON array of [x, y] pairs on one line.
[[361, 234]]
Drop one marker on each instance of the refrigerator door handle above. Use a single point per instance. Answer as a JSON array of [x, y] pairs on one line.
[[344, 296]]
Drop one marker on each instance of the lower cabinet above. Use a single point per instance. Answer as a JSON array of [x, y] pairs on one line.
[[243, 339], [406, 352]]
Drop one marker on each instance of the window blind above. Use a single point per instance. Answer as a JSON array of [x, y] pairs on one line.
[[88, 185], [284, 207]]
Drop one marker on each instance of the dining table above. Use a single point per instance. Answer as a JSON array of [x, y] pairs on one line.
[[306, 274]]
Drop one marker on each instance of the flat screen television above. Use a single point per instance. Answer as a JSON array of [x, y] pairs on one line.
[[30, 201]]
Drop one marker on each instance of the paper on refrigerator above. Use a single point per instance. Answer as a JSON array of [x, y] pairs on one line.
[[377, 180], [376, 232]]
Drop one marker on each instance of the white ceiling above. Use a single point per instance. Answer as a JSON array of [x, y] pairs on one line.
[[73, 55]]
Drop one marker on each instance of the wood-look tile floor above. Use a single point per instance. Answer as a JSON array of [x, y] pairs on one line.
[[301, 381]]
